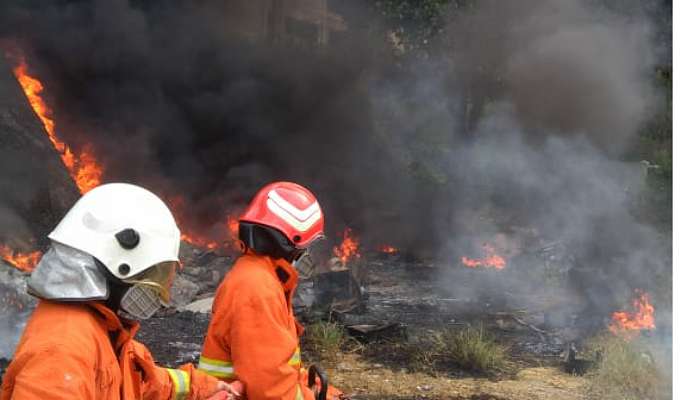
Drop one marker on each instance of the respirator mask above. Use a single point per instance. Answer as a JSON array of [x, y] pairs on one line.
[[148, 291]]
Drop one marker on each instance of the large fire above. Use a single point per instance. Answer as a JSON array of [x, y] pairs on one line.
[[629, 324], [490, 260], [23, 261], [84, 169], [349, 248]]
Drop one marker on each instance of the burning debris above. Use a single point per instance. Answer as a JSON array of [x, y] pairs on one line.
[[387, 249], [22, 261], [199, 242], [490, 260], [629, 324], [219, 237], [348, 249]]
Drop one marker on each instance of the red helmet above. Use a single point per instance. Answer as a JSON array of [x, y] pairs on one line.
[[291, 209]]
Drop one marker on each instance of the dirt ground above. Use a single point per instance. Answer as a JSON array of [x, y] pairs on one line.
[[367, 380]]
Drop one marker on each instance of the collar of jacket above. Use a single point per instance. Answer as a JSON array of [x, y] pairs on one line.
[[126, 329], [287, 275]]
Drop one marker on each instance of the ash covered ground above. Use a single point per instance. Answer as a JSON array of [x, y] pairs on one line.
[[411, 299], [413, 296]]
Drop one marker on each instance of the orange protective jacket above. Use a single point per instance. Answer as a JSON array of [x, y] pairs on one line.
[[253, 335], [69, 351]]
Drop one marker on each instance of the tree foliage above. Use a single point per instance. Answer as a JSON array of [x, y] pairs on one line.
[[418, 24]]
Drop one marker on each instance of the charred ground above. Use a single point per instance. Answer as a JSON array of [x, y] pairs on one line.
[[399, 363]]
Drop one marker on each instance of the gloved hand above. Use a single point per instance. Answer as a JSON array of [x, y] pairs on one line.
[[226, 391], [222, 395]]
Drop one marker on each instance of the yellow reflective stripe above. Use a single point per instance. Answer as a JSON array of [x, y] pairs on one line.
[[181, 383], [299, 396], [217, 368], [213, 361], [296, 357], [217, 374]]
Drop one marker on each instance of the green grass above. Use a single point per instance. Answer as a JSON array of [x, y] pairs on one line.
[[325, 339], [473, 349], [627, 371]]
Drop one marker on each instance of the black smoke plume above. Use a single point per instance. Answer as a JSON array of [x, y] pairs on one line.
[[521, 113]]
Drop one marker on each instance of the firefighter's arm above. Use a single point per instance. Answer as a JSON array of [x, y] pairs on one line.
[[54, 374], [184, 383], [215, 359], [263, 351], [204, 386], [159, 383]]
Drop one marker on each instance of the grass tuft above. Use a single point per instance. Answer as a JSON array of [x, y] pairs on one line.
[[627, 370], [473, 349], [325, 339]]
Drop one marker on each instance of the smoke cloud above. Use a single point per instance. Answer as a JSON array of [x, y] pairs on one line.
[[518, 122], [567, 67]]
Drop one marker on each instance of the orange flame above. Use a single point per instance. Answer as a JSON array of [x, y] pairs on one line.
[[629, 324], [232, 223], [84, 169], [198, 241], [23, 261], [211, 241], [491, 260], [387, 249], [348, 248]]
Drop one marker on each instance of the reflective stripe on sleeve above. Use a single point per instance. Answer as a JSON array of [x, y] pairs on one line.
[[296, 358], [181, 383], [300, 395], [216, 368]]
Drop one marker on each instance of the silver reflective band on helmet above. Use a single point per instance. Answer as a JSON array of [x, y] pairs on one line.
[[140, 302]]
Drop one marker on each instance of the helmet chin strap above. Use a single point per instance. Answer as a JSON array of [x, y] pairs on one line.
[[117, 289]]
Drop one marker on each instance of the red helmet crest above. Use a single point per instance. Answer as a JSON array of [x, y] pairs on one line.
[[291, 209]]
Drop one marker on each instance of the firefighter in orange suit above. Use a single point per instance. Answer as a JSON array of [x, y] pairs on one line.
[[111, 263], [253, 335]]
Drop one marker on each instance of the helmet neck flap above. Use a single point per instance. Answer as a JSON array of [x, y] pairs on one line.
[[268, 241], [68, 274]]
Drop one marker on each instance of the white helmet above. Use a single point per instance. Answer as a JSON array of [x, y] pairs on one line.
[[126, 227]]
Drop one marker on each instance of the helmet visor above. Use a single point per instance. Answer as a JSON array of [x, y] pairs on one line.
[[159, 277]]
